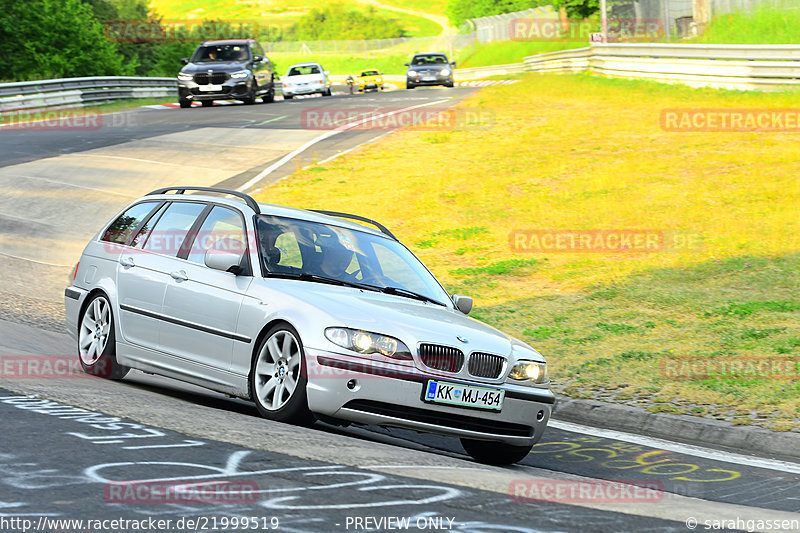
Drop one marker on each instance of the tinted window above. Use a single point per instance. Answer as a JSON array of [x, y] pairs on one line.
[[222, 230], [119, 230], [172, 227], [370, 73]]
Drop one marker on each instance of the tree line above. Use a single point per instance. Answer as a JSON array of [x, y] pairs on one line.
[[45, 39]]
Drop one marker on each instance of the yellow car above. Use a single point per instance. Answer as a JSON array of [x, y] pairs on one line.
[[370, 80]]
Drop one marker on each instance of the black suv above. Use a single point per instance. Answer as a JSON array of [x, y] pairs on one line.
[[429, 69], [226, 70]]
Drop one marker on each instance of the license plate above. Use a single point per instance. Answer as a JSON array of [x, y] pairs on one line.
[[210, 88], [464, 395], [429, 78]]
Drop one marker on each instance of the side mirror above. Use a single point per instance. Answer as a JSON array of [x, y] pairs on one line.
[[453, 64], [258, 59], [406, 64], [327, 73], [184, 61], [224, 261], [463, 303]]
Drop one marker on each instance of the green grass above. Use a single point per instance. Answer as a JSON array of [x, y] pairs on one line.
[[734, 297], [273, 13], [501, 53], [765, 25]]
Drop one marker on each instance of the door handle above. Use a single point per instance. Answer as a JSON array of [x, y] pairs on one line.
[[179, 275], [127, 261]]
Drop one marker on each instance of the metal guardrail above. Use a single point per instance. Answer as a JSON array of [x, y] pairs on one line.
[[76, 92], [762, 67]]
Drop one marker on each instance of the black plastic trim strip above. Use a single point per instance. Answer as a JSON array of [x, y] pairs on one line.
[[179, 322]]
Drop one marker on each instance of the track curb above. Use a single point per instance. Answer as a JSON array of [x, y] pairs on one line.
[[683, 428]]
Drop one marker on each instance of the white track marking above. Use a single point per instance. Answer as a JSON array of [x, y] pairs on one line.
[[677, 447], [291, 155]]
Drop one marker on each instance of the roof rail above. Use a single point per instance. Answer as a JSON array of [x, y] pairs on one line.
[[251, 203], [378, 225]]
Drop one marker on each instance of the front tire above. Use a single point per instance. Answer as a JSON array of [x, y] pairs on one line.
[[410, 85], [278, 377], [288, 96], [96, 340], [207, 103], [184, 103], [270, 96], [495, 453]]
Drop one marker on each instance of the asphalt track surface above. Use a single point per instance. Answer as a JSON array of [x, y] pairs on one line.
[[59, 186]]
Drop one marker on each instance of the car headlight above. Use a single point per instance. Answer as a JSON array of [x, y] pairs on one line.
[[365, 342], [378, 80], [361, 82], [184, 77], [412, 73], [529, 371], [445, 72], [240, 74]]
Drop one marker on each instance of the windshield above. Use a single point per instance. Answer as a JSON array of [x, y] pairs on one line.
[[296, 248], [370, 73], [429, 60], [220, 53], [302, 70]]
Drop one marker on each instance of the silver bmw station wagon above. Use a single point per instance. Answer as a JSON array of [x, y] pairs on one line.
[[312, 315]]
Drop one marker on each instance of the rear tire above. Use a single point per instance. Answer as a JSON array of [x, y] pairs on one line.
[[184, 103], [96, 340], [278, 377], [288, 96], [495, 453], [410, 85]]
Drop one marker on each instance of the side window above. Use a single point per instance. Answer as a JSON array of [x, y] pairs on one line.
[[171, 229], [119, 230], [289, 255], [223, 230]]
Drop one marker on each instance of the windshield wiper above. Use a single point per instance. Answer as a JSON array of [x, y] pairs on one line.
[[305, 276], [399, 291]]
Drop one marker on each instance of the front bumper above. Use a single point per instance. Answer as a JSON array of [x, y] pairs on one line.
[[438, 80], [357, 390], [232, 89]]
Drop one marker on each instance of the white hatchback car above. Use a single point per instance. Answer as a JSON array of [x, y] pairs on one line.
[[309, 314], [305, 78]]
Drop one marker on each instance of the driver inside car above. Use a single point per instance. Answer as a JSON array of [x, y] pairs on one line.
[[335, 258]]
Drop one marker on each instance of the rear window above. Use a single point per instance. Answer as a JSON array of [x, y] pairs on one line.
[[125, 224], [300, 71]]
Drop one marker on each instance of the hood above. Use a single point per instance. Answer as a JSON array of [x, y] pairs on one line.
[[216, 66], [408, 320]]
